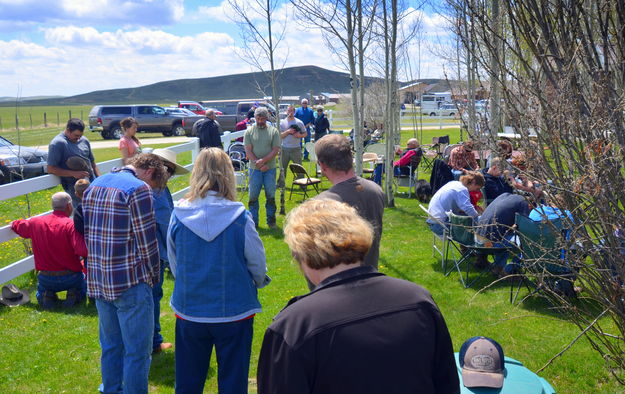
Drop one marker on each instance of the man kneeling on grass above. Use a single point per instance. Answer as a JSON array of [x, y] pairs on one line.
[[57, 247], [358, 331]]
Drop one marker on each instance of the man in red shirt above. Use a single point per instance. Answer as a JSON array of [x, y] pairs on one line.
[[57, 247]]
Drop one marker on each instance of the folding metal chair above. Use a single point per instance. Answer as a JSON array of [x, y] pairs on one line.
[[434, 151], [302, 180], [442, 249], [462, 239]]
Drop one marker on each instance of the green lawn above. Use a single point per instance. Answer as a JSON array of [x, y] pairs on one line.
[[59, 352]]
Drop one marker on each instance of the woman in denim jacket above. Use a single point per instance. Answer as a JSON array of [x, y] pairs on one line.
[[218, 261]]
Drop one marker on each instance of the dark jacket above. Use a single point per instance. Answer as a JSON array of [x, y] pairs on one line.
[[359, 331], [208, 131], [441, 174], [322, 126], [494, 186]]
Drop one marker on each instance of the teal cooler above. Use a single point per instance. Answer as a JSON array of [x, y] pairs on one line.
[[517, 380]]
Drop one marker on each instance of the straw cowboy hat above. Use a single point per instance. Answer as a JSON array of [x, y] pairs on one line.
[[170, 157]]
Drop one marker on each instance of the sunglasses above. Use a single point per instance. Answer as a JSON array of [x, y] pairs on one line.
[[319, 110]]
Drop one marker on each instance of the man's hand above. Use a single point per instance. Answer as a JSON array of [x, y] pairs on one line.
[[80, 174], [264, 168]]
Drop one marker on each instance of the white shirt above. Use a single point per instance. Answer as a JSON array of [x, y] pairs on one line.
[[453, 196], [290, 141]]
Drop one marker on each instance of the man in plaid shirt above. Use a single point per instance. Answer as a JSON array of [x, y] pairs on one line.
[[462, 160], [123, 265]]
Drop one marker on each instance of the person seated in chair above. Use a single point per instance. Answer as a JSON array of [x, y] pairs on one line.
[[494, 228], [410, 158], [462, 160], [406, 165], [57, 247], [454, 197], [495, 183]]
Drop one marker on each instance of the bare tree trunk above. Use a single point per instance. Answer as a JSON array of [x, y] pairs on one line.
[[358, 127]]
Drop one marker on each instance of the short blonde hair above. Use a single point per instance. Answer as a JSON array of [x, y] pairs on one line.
[[212, 171], [80, 186], [324, 233]]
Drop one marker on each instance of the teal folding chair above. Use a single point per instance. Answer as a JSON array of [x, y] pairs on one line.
[[543, 263], [465, 248]]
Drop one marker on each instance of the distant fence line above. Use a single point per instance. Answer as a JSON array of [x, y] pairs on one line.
[[20, 123]]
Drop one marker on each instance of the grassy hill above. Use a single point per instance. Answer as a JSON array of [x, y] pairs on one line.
[[293, 81]]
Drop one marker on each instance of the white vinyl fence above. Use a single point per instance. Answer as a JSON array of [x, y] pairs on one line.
[[15, 189]]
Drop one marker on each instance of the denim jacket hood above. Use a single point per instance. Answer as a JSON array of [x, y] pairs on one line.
[[209, 216]]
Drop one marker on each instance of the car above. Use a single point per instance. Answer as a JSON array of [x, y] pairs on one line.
[[193, 106], [151, 118], [178, 111], [20, 162], [445, 110]]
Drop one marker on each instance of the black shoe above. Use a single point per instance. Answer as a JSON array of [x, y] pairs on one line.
[[73, 298], [49, 300]]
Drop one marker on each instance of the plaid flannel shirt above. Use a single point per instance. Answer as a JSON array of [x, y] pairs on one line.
[[460, 158], [120, 231]]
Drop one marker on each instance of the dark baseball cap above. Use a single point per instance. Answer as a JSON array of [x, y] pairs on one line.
[[482, 363]]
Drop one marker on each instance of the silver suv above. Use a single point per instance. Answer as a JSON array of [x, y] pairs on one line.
[[151, 118]]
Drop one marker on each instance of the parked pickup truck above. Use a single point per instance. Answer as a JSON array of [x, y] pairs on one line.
[[234, 111], [151, 118]]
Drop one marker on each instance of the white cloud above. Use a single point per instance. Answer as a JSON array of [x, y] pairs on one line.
[[221, 12], [24, 13]]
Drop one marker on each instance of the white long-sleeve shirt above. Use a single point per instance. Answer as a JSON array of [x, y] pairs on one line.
[[453, 196]]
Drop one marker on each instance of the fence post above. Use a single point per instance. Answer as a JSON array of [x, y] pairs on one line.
[[70, 114], [1, 123], [30, 115], [17, 123], [81, 115], [45, 120], [58, 119]]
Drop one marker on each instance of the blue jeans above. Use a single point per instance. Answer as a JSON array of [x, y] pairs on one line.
[[194, 345], [306, 139], [437, 228], [500, 259], [457, 174], [126, 328], [258, 180], [157, 295], [61, 283]]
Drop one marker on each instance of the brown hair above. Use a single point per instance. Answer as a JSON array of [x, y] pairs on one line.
[[334, 151], [145, 161], [127, 123], [505, 148], [324, 233], [212, 171], [472, 177], [80, 186]]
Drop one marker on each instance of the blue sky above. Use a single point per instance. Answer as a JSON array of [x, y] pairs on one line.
[[67, 47]]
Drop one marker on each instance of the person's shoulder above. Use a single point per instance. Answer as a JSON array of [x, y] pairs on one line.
[[370, 186], [330, 194], [58, 139]]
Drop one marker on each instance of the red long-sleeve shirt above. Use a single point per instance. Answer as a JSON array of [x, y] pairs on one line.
[[56, 244]]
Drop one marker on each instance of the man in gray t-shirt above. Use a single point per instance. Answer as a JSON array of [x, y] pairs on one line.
[[335, 159], [292, 130], [70, 157]]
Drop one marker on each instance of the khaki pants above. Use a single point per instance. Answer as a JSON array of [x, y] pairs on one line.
[[287, 155]]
